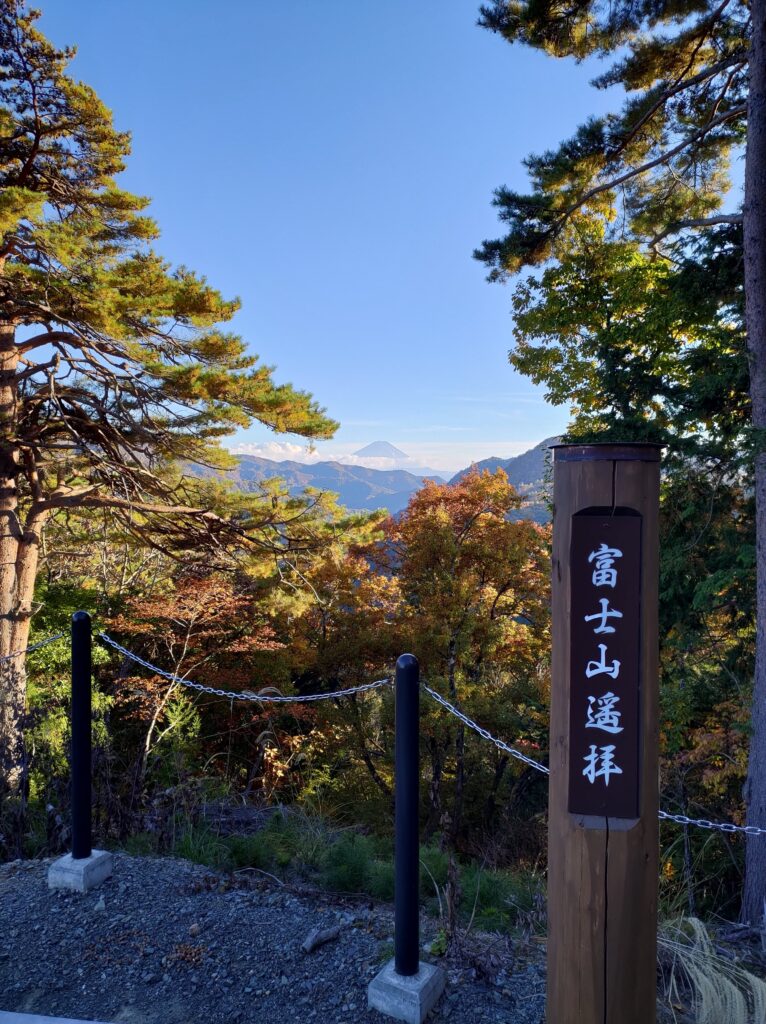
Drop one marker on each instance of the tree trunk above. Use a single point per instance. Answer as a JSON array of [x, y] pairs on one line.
[[12, 684], [457, 815], [490, 805], [434, 790], [19, 553], [755, 318], [364, 751]]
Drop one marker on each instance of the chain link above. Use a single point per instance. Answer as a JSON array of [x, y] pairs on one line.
[[245, 695], [717, 826], [484, 733], [32, 647], [681, 819]]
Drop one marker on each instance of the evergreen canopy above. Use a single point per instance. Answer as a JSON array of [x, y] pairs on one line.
[[660, 164], [111, 363]]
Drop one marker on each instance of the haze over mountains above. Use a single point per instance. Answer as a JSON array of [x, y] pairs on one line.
[[367, 488], [382, 455]]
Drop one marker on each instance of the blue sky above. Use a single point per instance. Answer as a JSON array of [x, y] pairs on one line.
[[332, 164]]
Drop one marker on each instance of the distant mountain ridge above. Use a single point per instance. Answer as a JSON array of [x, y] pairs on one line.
[[357, 487], [524, 469], [527, 473], [362, 489]]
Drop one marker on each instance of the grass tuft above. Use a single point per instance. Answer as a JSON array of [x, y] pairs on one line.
[[718, 990]]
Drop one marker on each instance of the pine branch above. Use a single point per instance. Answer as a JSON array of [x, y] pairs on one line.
[[697, 222], [663, 158]]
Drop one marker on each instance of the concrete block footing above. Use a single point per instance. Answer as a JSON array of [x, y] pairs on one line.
[[408, 998], [82, 874]]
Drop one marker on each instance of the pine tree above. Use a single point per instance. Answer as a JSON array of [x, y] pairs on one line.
[[656, 173], [112, 366]]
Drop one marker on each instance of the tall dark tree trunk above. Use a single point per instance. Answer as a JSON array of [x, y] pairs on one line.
[[19, 553], [755, 311], [12, 689], [490, 804]]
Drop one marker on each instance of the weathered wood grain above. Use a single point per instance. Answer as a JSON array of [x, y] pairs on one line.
[[602, 874]]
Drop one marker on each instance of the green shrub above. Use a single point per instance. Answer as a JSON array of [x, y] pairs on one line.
[[142, 844], [381, 879], [251, 851], [433, 870], [347, 864], [499, 897], [199, 844]]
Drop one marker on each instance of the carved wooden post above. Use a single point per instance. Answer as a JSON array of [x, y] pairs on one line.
[[603, 846]]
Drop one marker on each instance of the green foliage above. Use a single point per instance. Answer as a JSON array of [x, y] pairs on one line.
[[302, 849], [496, 899], [658, 165], [346, 866], [140, 844], [290, 840], [641, 349], [635, 320], [380, 880], [200, 844], [130, 370], [434, 863]]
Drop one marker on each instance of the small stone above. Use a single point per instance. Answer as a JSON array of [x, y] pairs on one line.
[[194, 929], [101, 905]]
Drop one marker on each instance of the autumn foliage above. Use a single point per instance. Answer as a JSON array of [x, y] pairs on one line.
[[455, 579]]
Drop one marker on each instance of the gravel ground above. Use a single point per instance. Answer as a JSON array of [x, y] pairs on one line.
[[168, 941]]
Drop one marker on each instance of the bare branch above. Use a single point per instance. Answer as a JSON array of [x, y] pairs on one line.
[[48, 338], [697, 222]]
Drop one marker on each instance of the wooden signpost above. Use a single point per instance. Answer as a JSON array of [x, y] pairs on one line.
[[603, 801]]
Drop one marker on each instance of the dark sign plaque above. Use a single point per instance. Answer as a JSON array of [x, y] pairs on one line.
[[604, 704]]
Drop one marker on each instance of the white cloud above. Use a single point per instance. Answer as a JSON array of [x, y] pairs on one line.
[[279, 451]]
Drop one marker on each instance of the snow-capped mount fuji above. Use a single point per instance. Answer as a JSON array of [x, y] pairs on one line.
[[381, 450], [384, 455]]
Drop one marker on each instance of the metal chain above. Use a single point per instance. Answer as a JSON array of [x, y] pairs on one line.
[[718, 826], [32, 647], [245, 695], [681, 819], [484, 733]]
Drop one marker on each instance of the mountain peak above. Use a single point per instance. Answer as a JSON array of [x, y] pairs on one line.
[[381, 450]]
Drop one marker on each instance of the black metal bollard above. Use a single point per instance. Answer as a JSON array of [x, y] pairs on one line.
[[407, 846], [81, 735]]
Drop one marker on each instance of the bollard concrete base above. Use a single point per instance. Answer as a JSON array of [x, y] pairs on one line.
[[82, 874], [408, 998]]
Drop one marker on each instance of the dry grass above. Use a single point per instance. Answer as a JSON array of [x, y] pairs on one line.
[[696, 977]]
